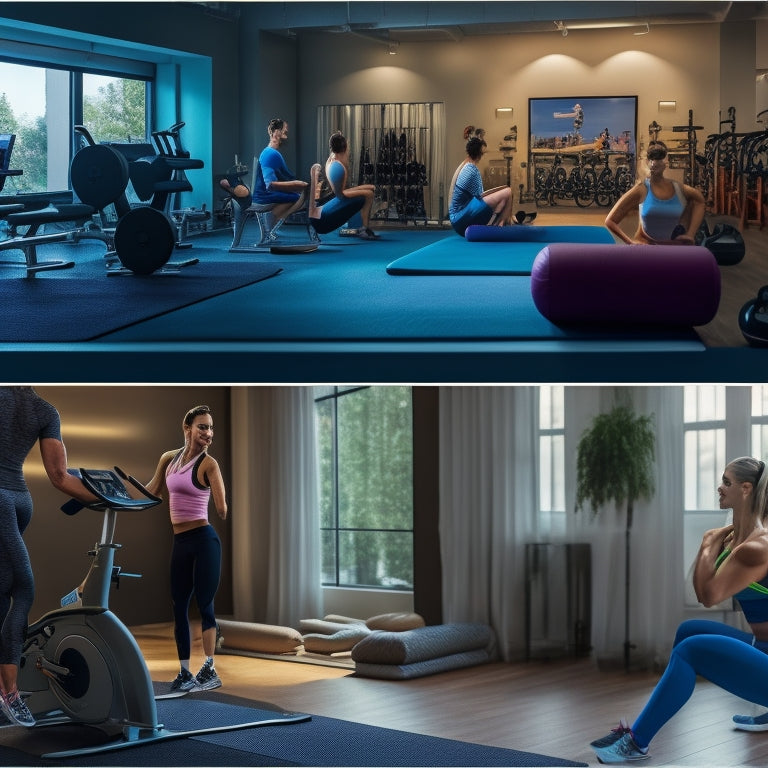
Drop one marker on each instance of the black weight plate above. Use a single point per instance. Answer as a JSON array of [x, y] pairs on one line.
[[99, 175], [144, 240]]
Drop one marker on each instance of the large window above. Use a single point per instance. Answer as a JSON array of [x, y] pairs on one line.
[[704, 440], [719, 424], [365, 456], [40, 105], [552, 459], [759, 419]]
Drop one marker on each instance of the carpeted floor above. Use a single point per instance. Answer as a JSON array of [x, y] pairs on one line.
[[337, 315], [84, 303], [318, 741]]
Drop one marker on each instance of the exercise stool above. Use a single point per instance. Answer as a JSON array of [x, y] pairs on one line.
[[261, 212], [258, 211]]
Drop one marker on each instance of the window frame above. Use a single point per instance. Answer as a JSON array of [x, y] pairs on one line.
[[337, 530]]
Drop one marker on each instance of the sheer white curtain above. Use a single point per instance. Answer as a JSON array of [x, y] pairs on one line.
[[275, 524], [489, 511], [656, 539], [487, 506]]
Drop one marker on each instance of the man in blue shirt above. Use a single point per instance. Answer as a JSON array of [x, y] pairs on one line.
[[274, 183]]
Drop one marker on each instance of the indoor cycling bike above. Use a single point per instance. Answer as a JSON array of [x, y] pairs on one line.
[[80, 663]]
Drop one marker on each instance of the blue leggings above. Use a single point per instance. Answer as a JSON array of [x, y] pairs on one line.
[[195, 569], [17, 583], [335, 212], [721, 654]]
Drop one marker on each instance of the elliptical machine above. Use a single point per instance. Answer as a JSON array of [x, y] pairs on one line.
[[80, 664]]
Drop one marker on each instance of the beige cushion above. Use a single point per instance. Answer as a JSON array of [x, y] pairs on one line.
[[259, 638], [322, 627], [395, 622], [336, 619], [343, 640]]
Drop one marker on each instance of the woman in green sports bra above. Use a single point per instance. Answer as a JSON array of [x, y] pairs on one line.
[[732, 563]]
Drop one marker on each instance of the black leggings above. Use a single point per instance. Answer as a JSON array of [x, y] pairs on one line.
[[17, 584], [195, 569]]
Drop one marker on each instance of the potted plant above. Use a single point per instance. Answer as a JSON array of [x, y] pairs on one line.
[[615, 463]]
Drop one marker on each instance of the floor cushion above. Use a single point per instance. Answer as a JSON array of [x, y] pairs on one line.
[[342, 640], [669, 285], [259, 638], [423, 668], [395, 622], [530, 233], [382, 647], [322, 626], [423, 651]]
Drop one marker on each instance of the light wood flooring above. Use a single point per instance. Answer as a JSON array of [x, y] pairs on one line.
[[740, 282], [554, 708]]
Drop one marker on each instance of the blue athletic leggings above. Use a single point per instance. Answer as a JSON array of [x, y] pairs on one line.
[[195, 569], [335, 212], [721, 654], [17, 584]]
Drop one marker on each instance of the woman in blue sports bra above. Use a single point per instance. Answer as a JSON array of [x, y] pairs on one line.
[[732, 563], [346, 200], [670, 213]]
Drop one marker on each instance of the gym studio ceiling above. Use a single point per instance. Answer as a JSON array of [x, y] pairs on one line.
[[403, 21]]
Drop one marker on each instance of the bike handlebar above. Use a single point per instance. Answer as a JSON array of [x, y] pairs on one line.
[[111, 492]]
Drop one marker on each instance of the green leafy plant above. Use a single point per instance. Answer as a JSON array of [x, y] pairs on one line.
[[615, 464]]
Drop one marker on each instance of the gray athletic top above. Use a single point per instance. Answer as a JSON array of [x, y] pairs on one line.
[[27, 418]]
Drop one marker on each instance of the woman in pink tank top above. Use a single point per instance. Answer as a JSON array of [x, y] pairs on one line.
[[191, 478]]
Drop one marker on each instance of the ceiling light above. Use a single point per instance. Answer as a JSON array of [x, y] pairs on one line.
[[643, 31], [560, 26], [393, 47]]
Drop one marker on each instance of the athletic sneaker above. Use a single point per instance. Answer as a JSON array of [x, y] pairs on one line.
[[622, 751], [207, 679], [613, 736], [16, 710], [749, 723], [185, 681]]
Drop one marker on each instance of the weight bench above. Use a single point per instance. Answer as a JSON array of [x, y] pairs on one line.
[[28, 242], [18, 216]]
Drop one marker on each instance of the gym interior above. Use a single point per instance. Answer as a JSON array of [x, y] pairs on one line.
[[224, 70]]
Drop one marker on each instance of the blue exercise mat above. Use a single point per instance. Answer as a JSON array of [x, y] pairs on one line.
[[492, 250], [456, 256]]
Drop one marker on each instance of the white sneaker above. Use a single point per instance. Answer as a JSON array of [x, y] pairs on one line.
[[749, 723], [16, 710]]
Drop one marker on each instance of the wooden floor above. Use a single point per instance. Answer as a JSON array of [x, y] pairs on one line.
[[740, 282], [554, 708]]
